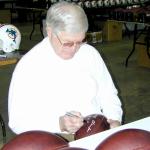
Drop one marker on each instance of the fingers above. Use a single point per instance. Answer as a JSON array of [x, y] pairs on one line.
[[113, 123]]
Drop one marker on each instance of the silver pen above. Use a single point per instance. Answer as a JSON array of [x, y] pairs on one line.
[[72, 115]]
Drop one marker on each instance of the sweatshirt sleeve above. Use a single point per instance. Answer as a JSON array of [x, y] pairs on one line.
[[107, 96]]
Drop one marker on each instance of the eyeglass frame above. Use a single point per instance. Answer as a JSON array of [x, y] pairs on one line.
[[71, 43]]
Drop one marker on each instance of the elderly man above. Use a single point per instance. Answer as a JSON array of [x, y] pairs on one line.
[[62, 74]]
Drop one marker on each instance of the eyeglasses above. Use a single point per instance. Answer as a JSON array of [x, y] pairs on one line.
[[69, 44]]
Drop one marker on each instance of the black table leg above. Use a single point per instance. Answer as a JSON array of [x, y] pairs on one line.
[[147, 42], [33, 24], [37, 21], [134, 42]]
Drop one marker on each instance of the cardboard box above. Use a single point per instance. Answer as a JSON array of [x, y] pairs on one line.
[[143, 58], [5, 16], [94, 37], [112, 30]]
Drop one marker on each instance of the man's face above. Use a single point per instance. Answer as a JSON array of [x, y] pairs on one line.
[[65, 44]]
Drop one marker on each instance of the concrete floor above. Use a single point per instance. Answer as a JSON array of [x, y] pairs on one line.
[[132, 82]]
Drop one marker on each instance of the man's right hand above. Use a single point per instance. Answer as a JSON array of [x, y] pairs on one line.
[[71, 122]]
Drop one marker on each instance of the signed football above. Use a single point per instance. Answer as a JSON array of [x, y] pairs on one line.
[[36, 140], [93, 124], [127, 139]]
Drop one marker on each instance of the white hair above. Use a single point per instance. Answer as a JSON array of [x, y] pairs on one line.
[[68, 17]]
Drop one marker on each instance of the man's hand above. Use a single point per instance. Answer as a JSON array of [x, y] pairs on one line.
[[71, 122], [113, 123]]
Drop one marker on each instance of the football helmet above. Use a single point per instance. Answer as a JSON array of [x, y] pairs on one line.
[[10, 38]]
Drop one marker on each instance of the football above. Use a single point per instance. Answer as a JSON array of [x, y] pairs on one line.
[[93, 124], [35, 140], [73, 148], [127, 139]]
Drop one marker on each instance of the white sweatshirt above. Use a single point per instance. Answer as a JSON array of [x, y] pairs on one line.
[[45, 86]]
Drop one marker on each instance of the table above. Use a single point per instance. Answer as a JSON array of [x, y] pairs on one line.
[[11, 58], [8, 61], [93, 141], [137, 35], [38, 14]]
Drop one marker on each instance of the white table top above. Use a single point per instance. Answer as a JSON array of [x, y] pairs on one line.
[[93, 141]]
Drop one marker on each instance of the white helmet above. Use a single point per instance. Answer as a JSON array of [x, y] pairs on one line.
[[10, 38]]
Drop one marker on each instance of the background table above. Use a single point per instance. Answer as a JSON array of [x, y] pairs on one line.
[[8, 61]]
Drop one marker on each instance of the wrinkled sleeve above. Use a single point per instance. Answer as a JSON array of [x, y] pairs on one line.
[[107, 95]]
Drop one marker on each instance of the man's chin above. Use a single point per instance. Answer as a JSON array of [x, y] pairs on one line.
[[67, 56]]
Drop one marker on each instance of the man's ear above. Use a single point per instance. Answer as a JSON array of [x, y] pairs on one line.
[[49, 31]]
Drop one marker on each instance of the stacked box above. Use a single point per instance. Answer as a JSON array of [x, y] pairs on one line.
[[112, 30], [94, 37], [143, 58]]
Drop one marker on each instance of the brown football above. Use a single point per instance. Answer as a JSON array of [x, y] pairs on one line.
[[127, 139], [93, 124], [73, 148], [35, 140]]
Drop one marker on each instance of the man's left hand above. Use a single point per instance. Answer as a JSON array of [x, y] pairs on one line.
[[113, 123]]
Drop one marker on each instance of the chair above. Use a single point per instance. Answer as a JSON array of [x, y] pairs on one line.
[[3, 128]]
